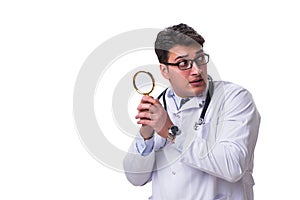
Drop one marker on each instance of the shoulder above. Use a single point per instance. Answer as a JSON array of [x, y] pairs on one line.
[[232, 93], [229, 88], [234, 100]]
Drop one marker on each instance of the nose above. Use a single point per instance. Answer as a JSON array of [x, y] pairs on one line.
[[195, 69]]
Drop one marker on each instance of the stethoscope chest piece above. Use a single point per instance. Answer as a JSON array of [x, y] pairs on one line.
[[198, 123]]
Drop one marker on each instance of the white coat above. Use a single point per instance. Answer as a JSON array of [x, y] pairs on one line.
[[214, 162]]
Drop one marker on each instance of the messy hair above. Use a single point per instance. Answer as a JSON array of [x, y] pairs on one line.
[[180, 34]]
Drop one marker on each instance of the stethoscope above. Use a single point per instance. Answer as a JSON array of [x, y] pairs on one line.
[[210, 92]]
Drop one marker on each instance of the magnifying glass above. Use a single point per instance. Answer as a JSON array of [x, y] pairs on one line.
[[143, 82]]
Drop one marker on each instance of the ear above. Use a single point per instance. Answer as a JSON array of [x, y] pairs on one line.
[[164, 71]]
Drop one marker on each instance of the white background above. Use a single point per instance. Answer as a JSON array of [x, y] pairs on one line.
[[43, 45]]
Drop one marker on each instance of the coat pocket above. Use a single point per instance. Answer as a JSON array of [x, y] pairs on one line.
[[221, 197], [206, 138]]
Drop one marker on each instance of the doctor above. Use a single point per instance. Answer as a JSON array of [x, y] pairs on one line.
[[197, 142]]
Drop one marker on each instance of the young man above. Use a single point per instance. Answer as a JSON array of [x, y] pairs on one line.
[[198, 142]]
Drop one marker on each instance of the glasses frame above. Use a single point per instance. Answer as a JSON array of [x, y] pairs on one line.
[[188, 60]]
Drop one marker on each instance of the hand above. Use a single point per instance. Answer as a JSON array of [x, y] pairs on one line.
[[152, 116]]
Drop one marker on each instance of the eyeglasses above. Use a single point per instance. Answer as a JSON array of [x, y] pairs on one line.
[[188, 64]]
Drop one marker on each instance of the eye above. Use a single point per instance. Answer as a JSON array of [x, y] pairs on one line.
[[183, 64], [200, 60]]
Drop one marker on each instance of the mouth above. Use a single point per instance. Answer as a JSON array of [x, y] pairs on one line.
[[197, 82]]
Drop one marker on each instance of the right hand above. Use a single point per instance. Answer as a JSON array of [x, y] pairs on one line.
[[152, 116]]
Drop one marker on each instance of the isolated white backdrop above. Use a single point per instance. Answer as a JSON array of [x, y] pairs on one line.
[[44, 44]]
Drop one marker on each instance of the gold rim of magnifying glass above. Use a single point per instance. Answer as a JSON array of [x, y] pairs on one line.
[[137, 89]]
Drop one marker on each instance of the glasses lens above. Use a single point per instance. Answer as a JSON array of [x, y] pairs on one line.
[[183, 65], [202, 60]]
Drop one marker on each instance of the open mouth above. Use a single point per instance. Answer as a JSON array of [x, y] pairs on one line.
[[197, 82]]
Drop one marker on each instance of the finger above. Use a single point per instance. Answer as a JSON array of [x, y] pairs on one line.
[[148, 99], [144, 122], [143, 118], [143, 115], [156, 107], [144, 106]]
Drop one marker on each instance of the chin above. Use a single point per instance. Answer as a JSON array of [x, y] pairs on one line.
[[198, 91]]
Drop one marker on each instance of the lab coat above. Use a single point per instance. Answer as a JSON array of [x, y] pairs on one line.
[[213, 162]]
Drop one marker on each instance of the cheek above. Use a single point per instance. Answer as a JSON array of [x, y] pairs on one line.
[[184, 76], [179, 78], [204, 70]]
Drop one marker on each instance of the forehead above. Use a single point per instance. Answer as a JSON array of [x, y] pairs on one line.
[[180, 50]]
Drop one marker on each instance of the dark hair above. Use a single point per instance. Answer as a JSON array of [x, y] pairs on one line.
[[180, 34]]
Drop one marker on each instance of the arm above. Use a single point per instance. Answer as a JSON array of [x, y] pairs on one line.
[[138, 168], [227, 151], [139, 162]]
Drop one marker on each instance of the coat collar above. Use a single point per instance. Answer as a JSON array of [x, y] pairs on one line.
[[194, 102]]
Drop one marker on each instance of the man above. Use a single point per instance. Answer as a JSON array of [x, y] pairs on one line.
[[199, 142]]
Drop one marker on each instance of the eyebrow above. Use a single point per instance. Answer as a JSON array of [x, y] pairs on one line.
[[184, 56]]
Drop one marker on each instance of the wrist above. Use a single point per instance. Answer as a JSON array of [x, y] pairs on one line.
[[164, 132], [148, 138], [146, 132]]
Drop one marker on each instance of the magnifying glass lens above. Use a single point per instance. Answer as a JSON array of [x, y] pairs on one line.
[[143, 82]]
